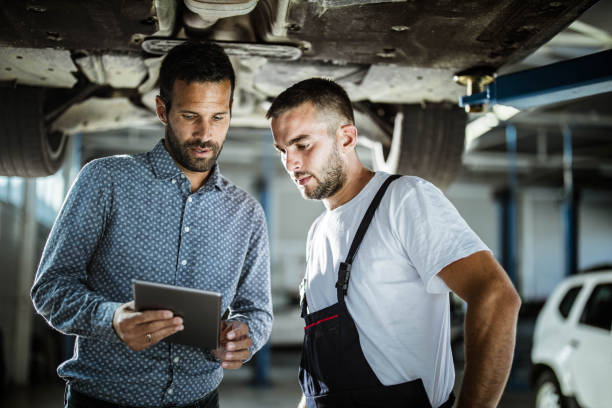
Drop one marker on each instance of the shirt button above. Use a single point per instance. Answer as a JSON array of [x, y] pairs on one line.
[[176, 359], [186, 229], [183, 262], [190, 199], [173, 181], [182, 176], [170, 391]]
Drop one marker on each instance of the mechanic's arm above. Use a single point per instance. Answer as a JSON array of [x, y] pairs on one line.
[[490, 326], [249, 323]]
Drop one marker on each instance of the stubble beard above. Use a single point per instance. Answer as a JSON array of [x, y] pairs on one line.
[[333, 177], [182, 153]]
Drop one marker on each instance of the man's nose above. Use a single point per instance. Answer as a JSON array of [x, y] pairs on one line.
[[202, 129], [292, 161]]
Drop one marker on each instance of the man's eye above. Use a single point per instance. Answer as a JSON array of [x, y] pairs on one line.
[[301, 147], [188, 116], [218, 117]]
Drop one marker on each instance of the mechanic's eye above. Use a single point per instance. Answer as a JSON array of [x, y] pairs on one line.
[[188, 116], [218, 117], [301, 146]]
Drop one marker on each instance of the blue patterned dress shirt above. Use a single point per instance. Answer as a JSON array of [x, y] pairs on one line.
[[134, 217]]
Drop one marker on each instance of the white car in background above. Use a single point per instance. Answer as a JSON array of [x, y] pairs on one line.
[[572, 344]]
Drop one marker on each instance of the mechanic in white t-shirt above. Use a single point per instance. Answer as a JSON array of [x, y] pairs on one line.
[[380, 263]]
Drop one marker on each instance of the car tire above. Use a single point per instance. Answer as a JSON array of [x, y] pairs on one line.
[[432, 142], [28, 148], [548, 393]]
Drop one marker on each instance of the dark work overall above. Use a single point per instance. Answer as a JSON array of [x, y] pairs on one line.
[[333, 371]]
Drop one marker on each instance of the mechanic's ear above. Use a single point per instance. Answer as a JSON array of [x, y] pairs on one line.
[[348, 136], [160, 108]]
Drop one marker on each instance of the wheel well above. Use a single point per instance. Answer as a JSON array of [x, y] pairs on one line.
[[536, 372]]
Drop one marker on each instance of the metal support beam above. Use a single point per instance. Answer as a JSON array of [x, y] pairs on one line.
[[25, 276], [569, 209], [563, 81], [507, 211], [266, 178], [72, 166], [510, 216]]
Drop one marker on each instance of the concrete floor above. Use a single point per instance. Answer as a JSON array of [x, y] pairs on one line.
[[235, 391], [283, 390]]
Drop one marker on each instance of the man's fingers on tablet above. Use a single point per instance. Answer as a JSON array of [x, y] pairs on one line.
[[242, 344], [234, 360], [231, 365], [153, 315], [236, 355], [239, 330], [141, 336], [159, 325], [142, 341], [165, 332]]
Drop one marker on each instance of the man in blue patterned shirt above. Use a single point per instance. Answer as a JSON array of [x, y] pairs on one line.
[[166, 216]]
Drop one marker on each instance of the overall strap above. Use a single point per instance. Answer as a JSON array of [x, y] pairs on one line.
[[344, 272], [303, 302]]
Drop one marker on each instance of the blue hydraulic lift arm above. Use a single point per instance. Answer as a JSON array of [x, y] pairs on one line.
[[561, 81]]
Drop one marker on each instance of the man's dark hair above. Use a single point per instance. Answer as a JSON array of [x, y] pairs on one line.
[[326, 96], [194, 61]]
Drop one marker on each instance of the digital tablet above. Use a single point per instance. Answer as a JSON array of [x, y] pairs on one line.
[[200, 310]]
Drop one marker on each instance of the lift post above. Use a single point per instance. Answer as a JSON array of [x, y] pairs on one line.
[[569, 208], [562, 81]]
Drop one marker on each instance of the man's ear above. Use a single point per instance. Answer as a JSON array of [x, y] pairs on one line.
[[348, 136], [160, 109]]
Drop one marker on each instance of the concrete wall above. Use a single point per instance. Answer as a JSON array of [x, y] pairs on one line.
[[540, 231], [476, 205], [595, 229], [541, 251], [12, 324], [10, 220]]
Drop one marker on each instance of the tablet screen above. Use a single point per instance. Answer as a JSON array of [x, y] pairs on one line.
[[200, 310]]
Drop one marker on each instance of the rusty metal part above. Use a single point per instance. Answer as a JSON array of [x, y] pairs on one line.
[[474, 80], [160, 46]]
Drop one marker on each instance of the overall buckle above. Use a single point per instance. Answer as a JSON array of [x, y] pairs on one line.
[[344, 274]]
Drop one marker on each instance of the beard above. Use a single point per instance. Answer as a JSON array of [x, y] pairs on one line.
[[183, 155], [331, 180]]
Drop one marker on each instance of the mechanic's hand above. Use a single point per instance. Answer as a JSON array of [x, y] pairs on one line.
[[140, 330], [234, 344]]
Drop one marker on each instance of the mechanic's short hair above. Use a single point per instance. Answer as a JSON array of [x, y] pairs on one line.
[[326, 96], [194, 61]]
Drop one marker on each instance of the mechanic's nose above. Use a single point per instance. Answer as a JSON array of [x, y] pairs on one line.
[[292, 162]]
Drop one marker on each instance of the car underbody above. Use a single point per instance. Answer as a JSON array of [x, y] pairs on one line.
[[87, 66]]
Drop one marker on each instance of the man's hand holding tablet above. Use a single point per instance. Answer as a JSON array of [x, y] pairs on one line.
[[234, 343], [139, 330]]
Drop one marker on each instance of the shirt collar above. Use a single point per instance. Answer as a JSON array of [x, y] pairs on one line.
[[164, 167]]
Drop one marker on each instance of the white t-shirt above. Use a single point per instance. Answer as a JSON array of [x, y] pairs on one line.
[[399, 304]]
